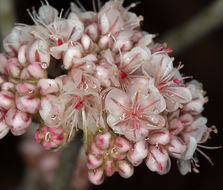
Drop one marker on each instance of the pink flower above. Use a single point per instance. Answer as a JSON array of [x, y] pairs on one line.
[[195, 106], [134, 113], [167, 80]]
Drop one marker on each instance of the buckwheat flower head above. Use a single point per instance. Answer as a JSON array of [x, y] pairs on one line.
[[109, 80]]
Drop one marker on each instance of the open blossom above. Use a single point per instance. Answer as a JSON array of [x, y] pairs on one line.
[[134, 113], [98, 72], [167, 80]]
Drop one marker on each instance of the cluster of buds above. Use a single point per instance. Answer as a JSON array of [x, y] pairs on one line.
[[119, 87]]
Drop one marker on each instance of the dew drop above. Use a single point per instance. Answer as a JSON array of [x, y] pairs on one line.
[[53, 117], [44, 65]]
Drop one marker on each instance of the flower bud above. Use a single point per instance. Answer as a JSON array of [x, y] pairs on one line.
[[158, 160], [28, 104], [6, 100], [35, 70], [48, 86], [25, 89], [109, 167], [138, 153], [13, 67], [161, 136], [176, 147], [96, 176], [18, 120], [8, 86], [94, 161], [102, 140], [50, 138], [125, 169], [122, 144]]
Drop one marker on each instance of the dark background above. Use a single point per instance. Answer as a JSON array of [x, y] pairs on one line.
[[202, 59]]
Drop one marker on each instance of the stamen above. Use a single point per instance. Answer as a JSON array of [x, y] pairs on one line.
[[214, 129], [132, 5], [206, 156], [177, 81], [209, 147], [80, 5]]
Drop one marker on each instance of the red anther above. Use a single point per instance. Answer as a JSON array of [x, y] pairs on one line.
[[161, 48], [177, 81], [123, 75], [59, 42], [78, 105], [168, 50]]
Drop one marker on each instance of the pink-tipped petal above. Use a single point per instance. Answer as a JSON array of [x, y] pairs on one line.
[[161, 136], [96, 176], [125, 169], [102, 140], [158, 160], [138, 153]]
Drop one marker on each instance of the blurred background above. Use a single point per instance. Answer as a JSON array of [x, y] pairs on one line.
[[203, 59]]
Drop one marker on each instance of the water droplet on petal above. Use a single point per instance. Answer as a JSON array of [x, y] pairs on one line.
[[44, 65]]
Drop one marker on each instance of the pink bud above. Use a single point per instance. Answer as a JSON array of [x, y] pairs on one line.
[[13, 67], [50, 138], [186, 119], [122, 145], [35, 70], [24, 89], [109, 167], [4, 129], [138, 153], [102, 140], [125, 169], [28, 104], [176, 147], [94, 161], [95, 150], [96, 176], [48, 86], [161, 136], [6, 100], [18, 120], [8, 86], [158, 159], [175, 126]]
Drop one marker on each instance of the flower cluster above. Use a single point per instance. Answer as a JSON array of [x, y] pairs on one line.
[[117, 85]]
